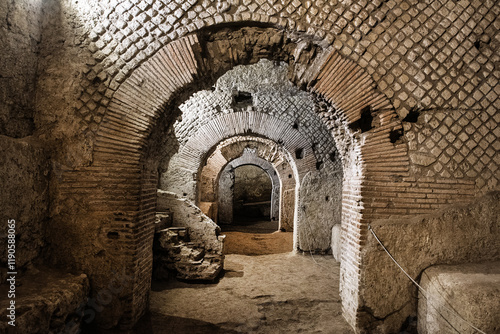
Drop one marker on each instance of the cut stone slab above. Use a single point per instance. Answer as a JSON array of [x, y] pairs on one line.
[[336, 241], [47, 301], [470, 290]]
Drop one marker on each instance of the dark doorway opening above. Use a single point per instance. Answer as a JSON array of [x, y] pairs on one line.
[[252, 201]]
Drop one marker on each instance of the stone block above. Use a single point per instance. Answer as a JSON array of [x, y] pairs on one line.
[[336, 241], [459, 297], [47, 301]]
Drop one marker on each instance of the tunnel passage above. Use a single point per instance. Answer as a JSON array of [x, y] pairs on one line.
[[248, 192], [120, 105], [278, 112], [252, 195], [265, 117]]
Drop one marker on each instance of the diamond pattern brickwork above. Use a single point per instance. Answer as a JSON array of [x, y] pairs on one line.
[[439, 54], [457, 144]]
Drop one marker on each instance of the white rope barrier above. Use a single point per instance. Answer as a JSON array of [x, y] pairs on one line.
[[424, 292]]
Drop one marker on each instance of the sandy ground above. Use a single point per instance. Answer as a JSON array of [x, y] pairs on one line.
[[258, 243], [264, 288], [277, 293]]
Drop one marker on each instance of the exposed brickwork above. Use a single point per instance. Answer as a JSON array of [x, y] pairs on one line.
[[408, 54], [266, 155], [420, 54]]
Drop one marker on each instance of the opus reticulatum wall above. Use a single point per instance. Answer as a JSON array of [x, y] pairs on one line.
[[408, 89]]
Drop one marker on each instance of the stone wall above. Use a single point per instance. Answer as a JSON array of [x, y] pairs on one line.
[[24, 175], [461, 234], [108, 72], [24, 170], [319, 207], [20, 39]]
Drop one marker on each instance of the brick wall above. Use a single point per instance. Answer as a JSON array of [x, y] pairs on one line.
[[377, 58]]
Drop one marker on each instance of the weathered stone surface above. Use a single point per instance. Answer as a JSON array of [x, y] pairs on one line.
[[458, 296], [47, 301], [319, 189], [336, 241], [175, 252], [459, 234], [20, 35], [421, 159], [24, 173]]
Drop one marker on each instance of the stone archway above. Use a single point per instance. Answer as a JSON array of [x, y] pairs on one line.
[[225, 193], [121, 209], [280, 165]]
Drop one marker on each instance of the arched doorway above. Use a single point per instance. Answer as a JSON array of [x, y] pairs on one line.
[[252, 193], [124, 219], [249, 191]]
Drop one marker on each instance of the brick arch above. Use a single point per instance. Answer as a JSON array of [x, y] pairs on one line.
[[119, 191], [230, 152], [225, 202], [191, 155], [184, 167]]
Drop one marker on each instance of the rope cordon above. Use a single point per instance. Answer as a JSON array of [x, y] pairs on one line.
[[424, 292]]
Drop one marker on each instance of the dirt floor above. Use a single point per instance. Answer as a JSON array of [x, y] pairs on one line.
[[258, 243], [277, 293], [267, 290]]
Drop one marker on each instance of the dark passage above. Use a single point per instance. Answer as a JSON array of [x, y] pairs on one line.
[[252, 201]]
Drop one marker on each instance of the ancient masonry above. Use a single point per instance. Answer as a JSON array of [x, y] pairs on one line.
[[396, 103]]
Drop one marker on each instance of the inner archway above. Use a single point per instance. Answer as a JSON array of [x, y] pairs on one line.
[[131, 153], [252, 198]]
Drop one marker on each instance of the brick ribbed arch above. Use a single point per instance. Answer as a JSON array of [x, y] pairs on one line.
[[114, 198], [192, 154], [231, 152], [224, 126], [225, 198]]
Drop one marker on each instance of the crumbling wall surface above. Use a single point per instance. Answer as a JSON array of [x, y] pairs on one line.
[[63, 73], [23, 162], [20, 35], [458, 297], [186, 214], [460, 234], [24, 173], [49, 301], [319, 207]]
